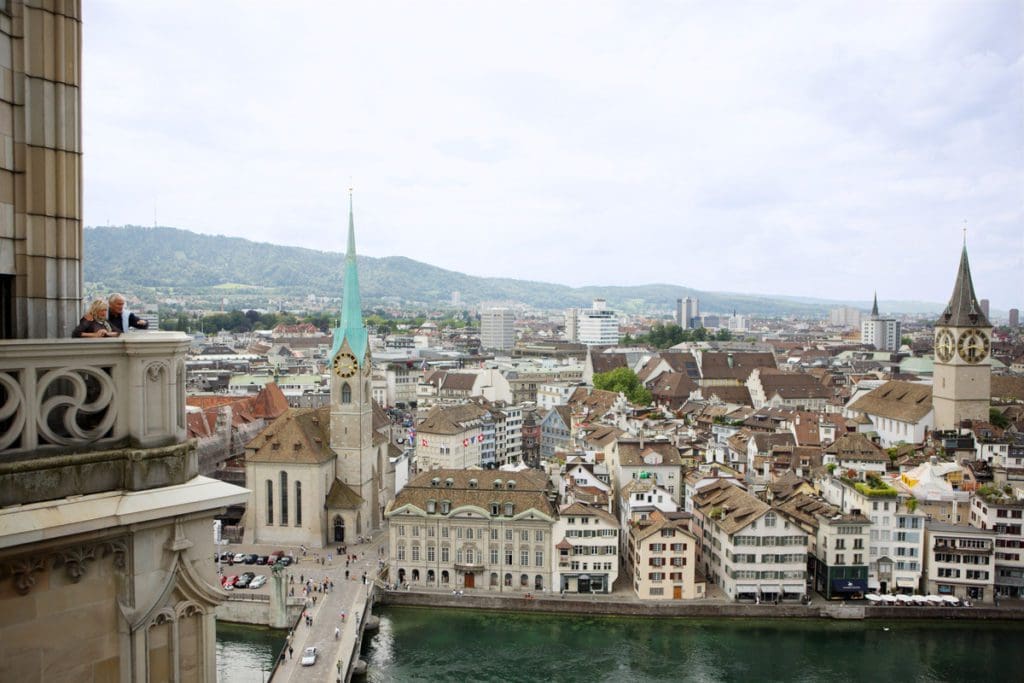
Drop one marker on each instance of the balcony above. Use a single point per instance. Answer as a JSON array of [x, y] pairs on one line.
[[81, 416]]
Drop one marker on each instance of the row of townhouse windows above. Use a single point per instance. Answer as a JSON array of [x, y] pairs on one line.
[[470, 555], [658, 577], [751, 574], [587, 566], [961, 559], [662, 547], [591, 533], [769, 540], [665, 561], [594, 549], [470, 532]]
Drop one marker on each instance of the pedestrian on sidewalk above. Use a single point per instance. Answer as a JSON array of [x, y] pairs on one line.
[[290, 651], [337, 632]]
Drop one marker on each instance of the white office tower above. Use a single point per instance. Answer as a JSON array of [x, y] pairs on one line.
[[597, 326], [496, 329], [883, 333]]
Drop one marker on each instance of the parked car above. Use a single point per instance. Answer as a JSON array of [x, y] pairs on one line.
[[238, 558], [229, 581], [251, 558], [245, 579], [273, 557], [309, 656], [258, 581], [261, 559], [286, 560], [226, 557]]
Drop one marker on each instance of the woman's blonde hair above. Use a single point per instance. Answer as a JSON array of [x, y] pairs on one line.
[[96, 306]]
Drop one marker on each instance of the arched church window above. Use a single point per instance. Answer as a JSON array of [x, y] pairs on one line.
[[270, 502], [298, 503], [284, 498], [346, 393]]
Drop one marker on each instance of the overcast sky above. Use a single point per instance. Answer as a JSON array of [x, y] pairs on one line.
[[806, 148]]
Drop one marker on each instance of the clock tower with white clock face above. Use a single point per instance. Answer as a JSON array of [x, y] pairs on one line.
[[963, 341]]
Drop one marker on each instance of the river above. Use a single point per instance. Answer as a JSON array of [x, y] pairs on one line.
[[462, 645], [245, 654]]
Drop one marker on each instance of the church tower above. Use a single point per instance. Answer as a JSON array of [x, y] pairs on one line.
[[962, 376], [354, 493]]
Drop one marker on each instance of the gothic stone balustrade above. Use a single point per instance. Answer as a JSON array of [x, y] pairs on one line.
[[80, 416]]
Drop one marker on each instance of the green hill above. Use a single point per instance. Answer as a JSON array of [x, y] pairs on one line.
[[161, 262]]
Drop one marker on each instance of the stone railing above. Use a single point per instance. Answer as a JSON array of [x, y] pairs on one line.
[[72, 395]]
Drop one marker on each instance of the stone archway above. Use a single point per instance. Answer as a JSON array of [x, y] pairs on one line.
[[339, 529]]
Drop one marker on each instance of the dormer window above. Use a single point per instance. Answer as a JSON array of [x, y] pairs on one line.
[[508, 509], [435, 482], [495, 509], [498, 483], [511, 484], [449, 482], [472, 483], [431, 506], [446, 507]]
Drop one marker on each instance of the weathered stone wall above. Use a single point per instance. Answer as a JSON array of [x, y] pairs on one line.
[[41, 165], [817, 609]]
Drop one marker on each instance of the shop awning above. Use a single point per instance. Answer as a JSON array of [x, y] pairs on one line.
[[906, 583], [849, 585], [746, 589]]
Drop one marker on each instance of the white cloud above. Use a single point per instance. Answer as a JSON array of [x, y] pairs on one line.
[[825, 149]]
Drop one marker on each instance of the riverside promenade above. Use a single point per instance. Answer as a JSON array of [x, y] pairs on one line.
[[625, 603]]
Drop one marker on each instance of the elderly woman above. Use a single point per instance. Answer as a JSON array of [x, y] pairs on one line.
[[94, 323]]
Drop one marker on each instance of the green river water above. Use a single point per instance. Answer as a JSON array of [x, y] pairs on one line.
[[462, 645]]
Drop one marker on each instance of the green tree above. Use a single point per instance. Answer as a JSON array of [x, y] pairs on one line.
[[626, 381], [997, 418]]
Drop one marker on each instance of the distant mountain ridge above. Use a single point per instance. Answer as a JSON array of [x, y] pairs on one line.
[[164, 261]]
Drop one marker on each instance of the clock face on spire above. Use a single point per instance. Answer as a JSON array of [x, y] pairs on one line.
[[345, 365], [945, 346], [972, 346]]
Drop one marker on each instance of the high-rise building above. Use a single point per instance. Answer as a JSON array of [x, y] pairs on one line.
[[1014, 317], [687, 313], [572, 319], [595, 326], [884, 334], [106, 526], [844, 316], [497, 329], [962, 379]]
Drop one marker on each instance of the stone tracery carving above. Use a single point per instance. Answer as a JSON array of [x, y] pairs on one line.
[[154, 370], [24, 571], [13, 406], [82, 393], [75, 560]]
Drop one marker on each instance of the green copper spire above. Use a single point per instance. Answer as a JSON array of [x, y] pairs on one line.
[[351, 327]]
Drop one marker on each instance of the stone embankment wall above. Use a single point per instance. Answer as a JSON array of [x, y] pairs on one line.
[[255, 612], [816, 610]]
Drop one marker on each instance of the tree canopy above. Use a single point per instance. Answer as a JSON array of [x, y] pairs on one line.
[[664, 336], [626, 381]]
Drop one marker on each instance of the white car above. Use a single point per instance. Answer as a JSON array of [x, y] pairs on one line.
[[309, 656], [238, 558], [258, 581]]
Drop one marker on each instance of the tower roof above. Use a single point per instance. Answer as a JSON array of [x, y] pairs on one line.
[[963, 309], [351, 327], [874, 307]]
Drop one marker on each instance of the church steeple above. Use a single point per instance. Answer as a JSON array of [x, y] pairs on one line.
[[351, 327], [874, 307], [963, 309]]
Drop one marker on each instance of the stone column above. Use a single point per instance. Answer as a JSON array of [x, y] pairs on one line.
[[278, 599]]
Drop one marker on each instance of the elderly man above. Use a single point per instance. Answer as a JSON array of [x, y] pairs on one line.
[[121, 319]]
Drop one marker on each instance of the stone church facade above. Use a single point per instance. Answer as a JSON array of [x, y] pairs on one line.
[[323, 476]]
